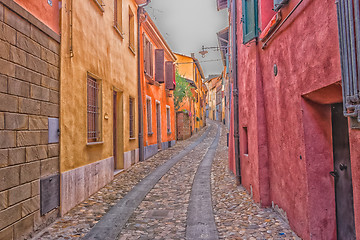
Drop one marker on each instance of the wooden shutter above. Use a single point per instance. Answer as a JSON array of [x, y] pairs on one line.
[[169, 75], [250, 18], [159, 65]]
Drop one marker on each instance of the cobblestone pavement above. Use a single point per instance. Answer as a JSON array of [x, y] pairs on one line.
[[162, 214]]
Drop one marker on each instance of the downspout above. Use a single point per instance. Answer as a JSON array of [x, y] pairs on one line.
[[140, 103], [235, 92]]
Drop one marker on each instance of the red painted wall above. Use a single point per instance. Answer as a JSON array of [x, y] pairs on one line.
[[289, 137], [49, 15]]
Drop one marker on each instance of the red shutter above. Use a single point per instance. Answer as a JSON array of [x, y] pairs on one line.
[[169, 75], [159, 65]]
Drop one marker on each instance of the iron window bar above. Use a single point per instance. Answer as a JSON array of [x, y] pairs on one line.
[[93, 110]]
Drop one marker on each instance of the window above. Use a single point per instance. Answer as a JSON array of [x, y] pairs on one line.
[[132, 117], [246, 139], [149, 115], [169, 75], [159, 65], [250, 20], [131, 31], [148, 57], [93, 110], [118, 16], [168, 120]]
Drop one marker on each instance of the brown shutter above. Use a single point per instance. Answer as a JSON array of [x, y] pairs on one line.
[[169, 75], [159, 65]]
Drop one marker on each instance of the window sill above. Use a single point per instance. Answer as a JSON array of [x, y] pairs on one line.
[[169, 133], [132, 139], [100, 5], [150, 133], [246, 155], [94, 143], [132, 50], [119, 32]]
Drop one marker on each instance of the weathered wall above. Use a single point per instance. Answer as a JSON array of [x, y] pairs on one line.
[[183, 126], [29, 95], [92, 45]]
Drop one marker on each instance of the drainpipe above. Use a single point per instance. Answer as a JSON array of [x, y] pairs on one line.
[[235, 92], [140, 103]]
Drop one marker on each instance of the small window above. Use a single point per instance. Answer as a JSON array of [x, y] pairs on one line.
[[168, 119], [131, 31], [132, 117], [250, 20], [118, 15], [93, 110], [149, 115], [246, 141], [148, 57]]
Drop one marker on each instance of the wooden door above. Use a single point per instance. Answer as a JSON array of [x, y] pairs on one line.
[[342, 175], [115, 122]]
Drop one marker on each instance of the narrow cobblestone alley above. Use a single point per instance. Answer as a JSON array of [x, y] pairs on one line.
[[163, 212]]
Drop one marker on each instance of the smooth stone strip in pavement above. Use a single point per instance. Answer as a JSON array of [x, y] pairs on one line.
[[200, 219], [110, 226]]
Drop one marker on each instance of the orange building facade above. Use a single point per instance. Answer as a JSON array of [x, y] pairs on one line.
[[157, 73]]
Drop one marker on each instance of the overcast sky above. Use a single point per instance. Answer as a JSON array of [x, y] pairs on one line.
[[189, 24]]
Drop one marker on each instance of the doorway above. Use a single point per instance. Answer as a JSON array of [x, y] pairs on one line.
[[118, 146], [158, 124], [342, 174]]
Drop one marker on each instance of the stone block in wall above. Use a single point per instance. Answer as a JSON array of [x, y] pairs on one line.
[[1, 12], [39, 36], [29, 172], [27, 75], [49, 166], [19, 193], [54, 46], [49, 56], [27, 138], [7, 33], [7, 233], [36, 64], [35, 188], [15, 121], [53, 150], [36, 153], [4, 50], [24, 227], [9, 177], [53, 72], [29, 106], [16, 156], [28, 45], [7, 68], [8, 103], [10, 215], [17, 22], [54, 97], [4, 157], [2, 120], [29, 206], [3, 84], [39, 93], [49, 109], [17, 56], [3, 200], [38, 123], [7, 139], [19, 88], [50, 83], [44, 137]]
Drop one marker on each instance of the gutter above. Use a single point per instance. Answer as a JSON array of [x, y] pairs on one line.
[[140, 103]]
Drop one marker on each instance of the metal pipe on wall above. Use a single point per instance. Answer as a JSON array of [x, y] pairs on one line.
[[355, 96]]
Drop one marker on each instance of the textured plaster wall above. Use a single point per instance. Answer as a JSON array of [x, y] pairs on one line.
[[100, 50]]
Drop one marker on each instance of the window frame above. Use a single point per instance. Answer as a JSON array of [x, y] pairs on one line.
[[131, 118], [118, 17], [148, 57], [254, 33], [131, 31], [168, 119], [100, 4], [98, 112], [149, 115]]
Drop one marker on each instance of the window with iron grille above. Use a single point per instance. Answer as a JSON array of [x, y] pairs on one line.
[[148, 57], [93, 110], [149, 115], [132, 117], [118, 15], [131, 31], [168, 119]]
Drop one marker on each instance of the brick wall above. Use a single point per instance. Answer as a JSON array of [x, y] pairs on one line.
[[183, 127], [29, 95]]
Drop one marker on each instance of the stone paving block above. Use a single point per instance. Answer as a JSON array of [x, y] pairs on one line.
[[8, 103], [3, 84], [31, 205], [38, 123], [17, 22], [29, 106], [49, 166], [20, 193], [7, 139], [4, 50], [7, 33], [53, 150], [27, 138], [50, 83], [39, 93], [10, 215], [36, 153], [7, 68], [19, 88], [15, 121], [17, 56], [49, 109], [35, 188], [27, 75], [36, 64], [4, 157], [16, 156], [7, 233], [40, 37], [3, 200], [24, 227], [28, 45], [9, 177], [29, 172]]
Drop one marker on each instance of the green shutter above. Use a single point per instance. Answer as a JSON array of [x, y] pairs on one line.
[[250, 20]]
